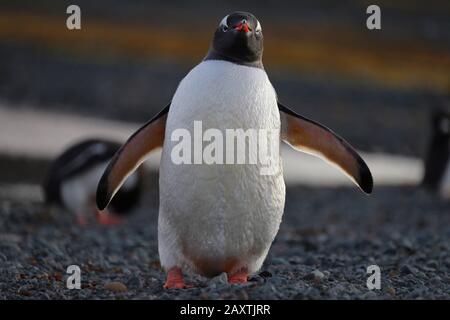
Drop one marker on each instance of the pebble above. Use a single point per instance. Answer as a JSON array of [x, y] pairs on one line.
[[23, 291], [407, 244], [313, 293], [221, 279], [335, 268], [265, 274], [407, 269], [391, 291], [311, 261], [280, 261], [369, 295], [135, 282], [115, 286], [315, 275]]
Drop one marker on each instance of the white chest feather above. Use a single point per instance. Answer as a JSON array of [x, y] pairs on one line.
[[219, 216]]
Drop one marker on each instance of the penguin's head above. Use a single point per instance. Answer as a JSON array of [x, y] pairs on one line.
[[239, 38], [441, 123]]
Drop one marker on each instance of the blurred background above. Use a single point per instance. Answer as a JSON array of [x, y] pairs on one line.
[[375, 88]]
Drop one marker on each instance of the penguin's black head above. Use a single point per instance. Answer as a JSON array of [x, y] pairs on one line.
[[239, 39], [441, 123]]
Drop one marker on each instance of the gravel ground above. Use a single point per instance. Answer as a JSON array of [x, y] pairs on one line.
[[327, 239]]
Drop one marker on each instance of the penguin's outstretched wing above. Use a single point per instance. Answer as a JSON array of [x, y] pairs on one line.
[[130, 156], [313, 138]]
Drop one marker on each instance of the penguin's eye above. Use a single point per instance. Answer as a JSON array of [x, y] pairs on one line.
[[258, 28], [223, 26]]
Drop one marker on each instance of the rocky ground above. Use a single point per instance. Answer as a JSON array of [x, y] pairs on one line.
[[329, 236], [326, 241]]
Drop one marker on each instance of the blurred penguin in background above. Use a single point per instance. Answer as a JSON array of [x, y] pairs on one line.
[[73, 177], [437, 161]]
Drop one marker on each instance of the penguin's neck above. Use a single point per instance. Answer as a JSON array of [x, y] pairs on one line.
[[213, 54]]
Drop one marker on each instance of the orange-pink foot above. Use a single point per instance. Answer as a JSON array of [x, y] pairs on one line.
[[175, 279], [239, 276], [108, 219]]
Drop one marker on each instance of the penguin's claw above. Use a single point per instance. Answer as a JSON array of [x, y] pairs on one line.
[[238, 277], [175, 279]]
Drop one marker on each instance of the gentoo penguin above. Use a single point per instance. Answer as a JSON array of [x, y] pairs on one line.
[[437, 162], [73, 177], [215, 217]]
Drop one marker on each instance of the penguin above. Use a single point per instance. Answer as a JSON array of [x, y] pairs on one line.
[[216, 218], [437, 160], [72, 179]]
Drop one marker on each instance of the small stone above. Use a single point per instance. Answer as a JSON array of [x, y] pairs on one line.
[[406, 243], [420, 274], [436, 280], [115, 286], [393, 273], [369, 295], [428, 269], [279, 261], [311, 293], [134, 282], [295, 260], [354, 290], [114, 258], [310, 261], [417, 293], [315, 275], [390, 251], [117, 270], [33, 261], [265, 274], [57, 276], [21, 276], [391, 291], [433, 264], [3, 258], [24, 292], [243, 295], [44, 276], [221, 279], [204, 296], [407, 269], [10, 237]]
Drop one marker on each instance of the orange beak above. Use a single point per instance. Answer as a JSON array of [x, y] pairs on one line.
[[242, 26]]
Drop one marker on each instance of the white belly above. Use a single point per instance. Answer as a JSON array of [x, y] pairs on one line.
[[220, 217], [78, 193]]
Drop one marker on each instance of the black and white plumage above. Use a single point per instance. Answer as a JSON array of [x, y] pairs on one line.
[[72, 180], [437, 162], [217, 217]]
